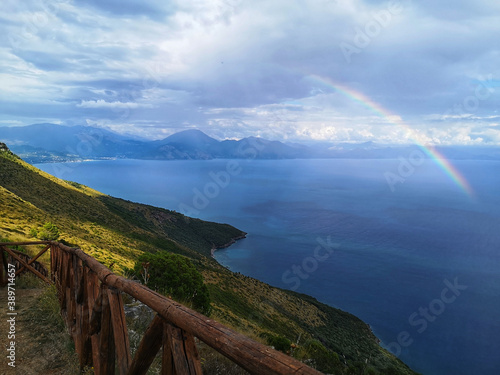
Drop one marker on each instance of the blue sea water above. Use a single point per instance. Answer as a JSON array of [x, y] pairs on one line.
[[420, 264]]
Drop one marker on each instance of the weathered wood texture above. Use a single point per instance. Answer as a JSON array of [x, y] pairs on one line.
[[32, 260], [22, 261], [148, 348], [92, 306], [3, 267]]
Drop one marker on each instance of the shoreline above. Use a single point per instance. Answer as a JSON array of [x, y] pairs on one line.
[[226, 245], [244, 235]]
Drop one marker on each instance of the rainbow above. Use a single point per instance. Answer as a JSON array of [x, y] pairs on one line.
[[380, 111]]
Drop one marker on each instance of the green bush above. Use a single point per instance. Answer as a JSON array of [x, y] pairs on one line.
[[49, 232], [280, 343], [34, 232], [174, 275], [325, 360]]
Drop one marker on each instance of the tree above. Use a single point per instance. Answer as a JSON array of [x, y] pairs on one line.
[[174, 275]]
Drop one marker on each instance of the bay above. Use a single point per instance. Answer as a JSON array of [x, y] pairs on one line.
[[419, 262]]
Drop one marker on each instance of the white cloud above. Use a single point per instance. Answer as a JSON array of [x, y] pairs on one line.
[[111, 105]]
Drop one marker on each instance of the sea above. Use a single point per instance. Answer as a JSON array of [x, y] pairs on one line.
[[399, 243]]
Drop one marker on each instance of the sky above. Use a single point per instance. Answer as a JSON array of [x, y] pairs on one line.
[[399, 71]]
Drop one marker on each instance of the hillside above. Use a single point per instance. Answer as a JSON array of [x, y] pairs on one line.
[[116, 232]]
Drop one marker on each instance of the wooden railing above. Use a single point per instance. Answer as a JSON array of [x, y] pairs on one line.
[[90, 297], [22, 262]]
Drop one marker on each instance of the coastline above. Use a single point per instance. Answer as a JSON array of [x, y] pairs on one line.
[[244, 235], [226, 245], [375, 337]]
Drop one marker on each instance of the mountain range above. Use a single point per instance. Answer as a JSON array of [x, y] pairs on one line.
[[50, 142]]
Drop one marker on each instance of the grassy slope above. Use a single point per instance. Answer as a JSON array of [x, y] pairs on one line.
[[116, 232]]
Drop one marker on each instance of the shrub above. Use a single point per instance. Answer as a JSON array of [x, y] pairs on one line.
[[34, 232], [174, 275], [325, 360], [280, 343], [49, 232]]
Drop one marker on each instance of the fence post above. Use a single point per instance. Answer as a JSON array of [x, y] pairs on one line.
[[148, 348], [3, 267], [185, 355], [119, 330], [92, 296], [83, 319], [106, 339]]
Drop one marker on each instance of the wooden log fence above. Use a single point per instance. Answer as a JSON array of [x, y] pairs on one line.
[[90, 297], [22, 262]]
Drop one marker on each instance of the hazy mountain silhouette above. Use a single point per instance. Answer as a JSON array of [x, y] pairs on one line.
[[51, 142]]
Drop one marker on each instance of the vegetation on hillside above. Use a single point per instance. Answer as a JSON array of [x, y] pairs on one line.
[[48, 232], [117, 232], [174, 275]]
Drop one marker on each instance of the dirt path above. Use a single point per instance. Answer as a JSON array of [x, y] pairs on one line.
[[23, 298], [36, 352]]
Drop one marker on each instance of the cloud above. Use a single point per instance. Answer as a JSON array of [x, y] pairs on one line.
[[238, 68], [111, 105], [118, 8]]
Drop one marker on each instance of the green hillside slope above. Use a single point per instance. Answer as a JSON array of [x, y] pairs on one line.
[[116, 232]]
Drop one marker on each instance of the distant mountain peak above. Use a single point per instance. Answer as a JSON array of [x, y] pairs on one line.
[[192, 136], [192, 131]]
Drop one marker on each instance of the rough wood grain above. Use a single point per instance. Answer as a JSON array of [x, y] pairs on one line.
[[107, 340], [97, 309], [3, 267], [92, 295], [185, 356], [167, 360], [148, 347], [120, 332]]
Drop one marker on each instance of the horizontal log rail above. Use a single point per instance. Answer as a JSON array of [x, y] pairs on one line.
[[90, 297]]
